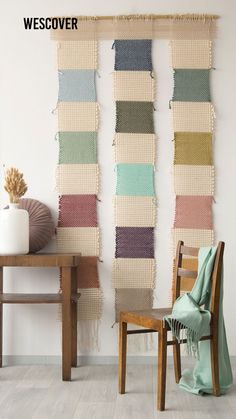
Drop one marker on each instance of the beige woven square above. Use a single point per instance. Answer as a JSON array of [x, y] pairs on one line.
[[193, 237], [133, 273], [77, 55], [135, 148], [90, 304], [191, 53], [135, 211], [77, 179], [77, 116], [193, 180], [134, 86], [84, 240], [192, 116]]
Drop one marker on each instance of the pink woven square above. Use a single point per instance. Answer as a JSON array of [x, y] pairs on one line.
[[77, 211], [193, 212]]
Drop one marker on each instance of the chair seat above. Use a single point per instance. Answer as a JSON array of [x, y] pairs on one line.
[[150, 319]]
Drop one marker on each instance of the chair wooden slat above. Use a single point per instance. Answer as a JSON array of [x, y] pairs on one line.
[[186, 273], [189, 251]]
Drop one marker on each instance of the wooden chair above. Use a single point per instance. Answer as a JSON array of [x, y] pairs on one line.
[[153, 321]]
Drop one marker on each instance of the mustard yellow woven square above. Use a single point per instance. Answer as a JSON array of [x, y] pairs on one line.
[[192, 116], [194, 53], [89, 304], [193, 237], [133, 273], [135, 211], [74, 55], [193, 180], [77, 116], [134, 85], [84, 240], [77, 179], [135, 148]]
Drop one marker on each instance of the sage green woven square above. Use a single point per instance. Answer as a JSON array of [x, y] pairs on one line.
[[77, 147], [191, 85], [134, 117]]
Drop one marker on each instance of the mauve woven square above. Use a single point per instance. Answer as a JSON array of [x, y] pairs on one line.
[[133, 55], [77, 211], [88, 272], [134, 242]]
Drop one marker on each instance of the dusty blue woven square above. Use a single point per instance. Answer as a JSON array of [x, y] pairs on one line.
[[133, 55], [77, 86]]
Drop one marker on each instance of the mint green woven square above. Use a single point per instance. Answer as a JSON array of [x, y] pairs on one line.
[[135, 180], [77, 147]]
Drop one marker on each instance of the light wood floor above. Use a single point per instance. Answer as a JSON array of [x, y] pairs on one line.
[[37, 392]]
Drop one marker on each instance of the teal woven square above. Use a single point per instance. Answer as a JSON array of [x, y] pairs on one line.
[[77, 86], [191, 86], [135, 180], [77, 147]]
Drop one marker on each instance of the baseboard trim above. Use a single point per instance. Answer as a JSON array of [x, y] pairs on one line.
[[90, 360]]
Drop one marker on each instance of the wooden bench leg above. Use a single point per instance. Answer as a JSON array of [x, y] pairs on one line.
[[1, 314], [66, 323], [122, 355], [215, 364], [74, 320], [161, 382], [177, 360]]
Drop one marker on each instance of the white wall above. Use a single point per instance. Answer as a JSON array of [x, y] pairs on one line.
[[28, 92]]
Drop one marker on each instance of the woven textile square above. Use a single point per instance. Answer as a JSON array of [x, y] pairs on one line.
[[193, 237], [186, 284], [133, 55], [192, 116], [77, 116], [134, 242], [191, 85], [133, 273], [193, 212], [135, 179], [77, 86], [89, 304], [193, 180], [129, 299], [77, 147], [193, 148], [88, 272], [133, 86], [135, 117], [84, 240], [135, 211], [77, 211], [191, 53], [77, 55], [76, 179], [135, 148]]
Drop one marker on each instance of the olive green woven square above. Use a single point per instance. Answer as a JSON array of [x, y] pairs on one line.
[[194, 148], [136, 117]]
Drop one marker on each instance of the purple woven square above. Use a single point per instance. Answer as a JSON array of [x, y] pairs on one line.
[[134, 242]]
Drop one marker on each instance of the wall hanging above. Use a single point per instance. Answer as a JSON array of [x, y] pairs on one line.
[[134, 145]]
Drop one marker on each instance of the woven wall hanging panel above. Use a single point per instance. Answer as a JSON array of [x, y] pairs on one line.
[[191, 85], [133, 273], [193, 148], [135, 148], [84, 240], [191, 54], [193, 180], [193, 211], [77, 147], [192, 116], [128, 299], [77, 55], [193, 237], [77, 179], [135, 179], [135, 211], [135, 117], [77, 85], [68, 116], [77, 211], [133, 86]]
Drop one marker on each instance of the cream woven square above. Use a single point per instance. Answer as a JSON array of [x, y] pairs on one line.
[[77, 116], [77, 179], [193, 237], [77, 55], [135, 148], [135, 211], [192, 116], [84, 240], [133, 273], [134, 86], [90, 304], [193, 180], [191, 53]]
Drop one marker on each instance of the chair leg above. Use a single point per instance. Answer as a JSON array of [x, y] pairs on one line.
[[162, 354], [177, 360], [1, 315], [215, 364], [122, 355]]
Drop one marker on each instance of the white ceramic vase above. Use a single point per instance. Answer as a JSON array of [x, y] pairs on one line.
[[14, 231]]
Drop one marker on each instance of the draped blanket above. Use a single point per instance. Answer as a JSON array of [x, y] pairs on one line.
[[188, 313]]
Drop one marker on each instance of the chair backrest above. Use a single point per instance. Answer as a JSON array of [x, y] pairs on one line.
[[181, 273]]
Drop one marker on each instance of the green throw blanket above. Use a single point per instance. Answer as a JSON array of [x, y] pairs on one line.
[[187, 312]]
